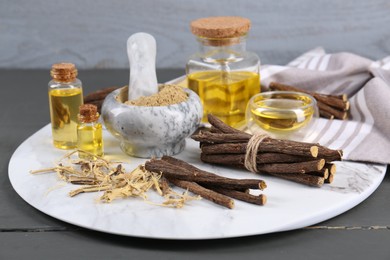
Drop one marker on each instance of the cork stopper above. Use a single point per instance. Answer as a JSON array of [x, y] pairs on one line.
[[220, 27], [88, 113], [63, 72]]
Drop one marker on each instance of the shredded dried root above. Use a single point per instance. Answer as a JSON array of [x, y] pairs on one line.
[[100, 175]]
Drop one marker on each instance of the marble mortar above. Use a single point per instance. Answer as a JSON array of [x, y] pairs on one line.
[[151, 131]]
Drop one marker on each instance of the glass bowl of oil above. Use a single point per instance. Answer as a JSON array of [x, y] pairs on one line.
[[282, 114]]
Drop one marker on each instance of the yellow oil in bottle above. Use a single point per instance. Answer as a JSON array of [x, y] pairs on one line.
[[282, 115], [64, 107], [90, 139], [225, 94]]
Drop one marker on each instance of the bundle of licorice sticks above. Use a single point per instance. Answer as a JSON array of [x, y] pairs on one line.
[[307, 163]]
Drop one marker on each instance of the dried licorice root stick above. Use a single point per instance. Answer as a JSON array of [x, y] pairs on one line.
[[221, 126], [210, 137], [235, 159], [326, 114], [339, 102], [307, 179], [329, 154], [99, 94], [324, 173], [240, 148], [302, 167], [332, 171], [171, 171], [164, 185], [243, 196], [96, 98], [204, 192], [299, 167], [257, 184], [331, 111]]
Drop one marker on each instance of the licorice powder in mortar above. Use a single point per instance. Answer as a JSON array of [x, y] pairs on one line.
[[168, 95]]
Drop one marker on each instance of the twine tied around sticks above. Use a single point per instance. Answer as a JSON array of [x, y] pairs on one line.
[[251, 151]]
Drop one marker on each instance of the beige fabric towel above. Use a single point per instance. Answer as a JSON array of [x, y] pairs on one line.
[[366, 135]]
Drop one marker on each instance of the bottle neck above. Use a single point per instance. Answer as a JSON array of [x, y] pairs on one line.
[[220, 50], [65, 80]]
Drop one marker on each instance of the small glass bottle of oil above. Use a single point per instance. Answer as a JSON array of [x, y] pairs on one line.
[[89, 133], [65, 97], [223, 73]]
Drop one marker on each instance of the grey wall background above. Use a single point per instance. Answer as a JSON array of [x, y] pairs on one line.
[[93, 33]]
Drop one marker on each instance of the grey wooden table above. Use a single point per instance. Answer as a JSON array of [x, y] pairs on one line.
[[361, 233]]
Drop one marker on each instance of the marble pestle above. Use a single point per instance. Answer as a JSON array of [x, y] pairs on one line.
[[141, 51]]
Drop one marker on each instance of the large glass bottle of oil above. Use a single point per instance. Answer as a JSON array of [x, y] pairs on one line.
[[222, 72], [65, 98]]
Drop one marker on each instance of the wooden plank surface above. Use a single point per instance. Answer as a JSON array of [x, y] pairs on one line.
[[93, 33], [294, 245], [361, 233]]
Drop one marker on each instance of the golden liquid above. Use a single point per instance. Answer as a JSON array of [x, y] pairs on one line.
[[64, 107], [225, 94], [90, 139], [282, 115]]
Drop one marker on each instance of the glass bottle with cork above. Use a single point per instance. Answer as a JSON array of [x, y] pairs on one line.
[[89, 132], [65, 97], [223, 73]]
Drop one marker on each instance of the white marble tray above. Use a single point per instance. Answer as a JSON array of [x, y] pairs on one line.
[[289, 206]]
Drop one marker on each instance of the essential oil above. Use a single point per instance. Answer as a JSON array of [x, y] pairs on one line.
[[223, 73], [282, 115], [225, 94], [65, 97], [89, 133]]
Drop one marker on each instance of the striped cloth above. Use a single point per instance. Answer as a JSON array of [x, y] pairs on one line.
[[366, 135]]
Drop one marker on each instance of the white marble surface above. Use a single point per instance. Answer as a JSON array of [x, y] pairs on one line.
[[289, 205]]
